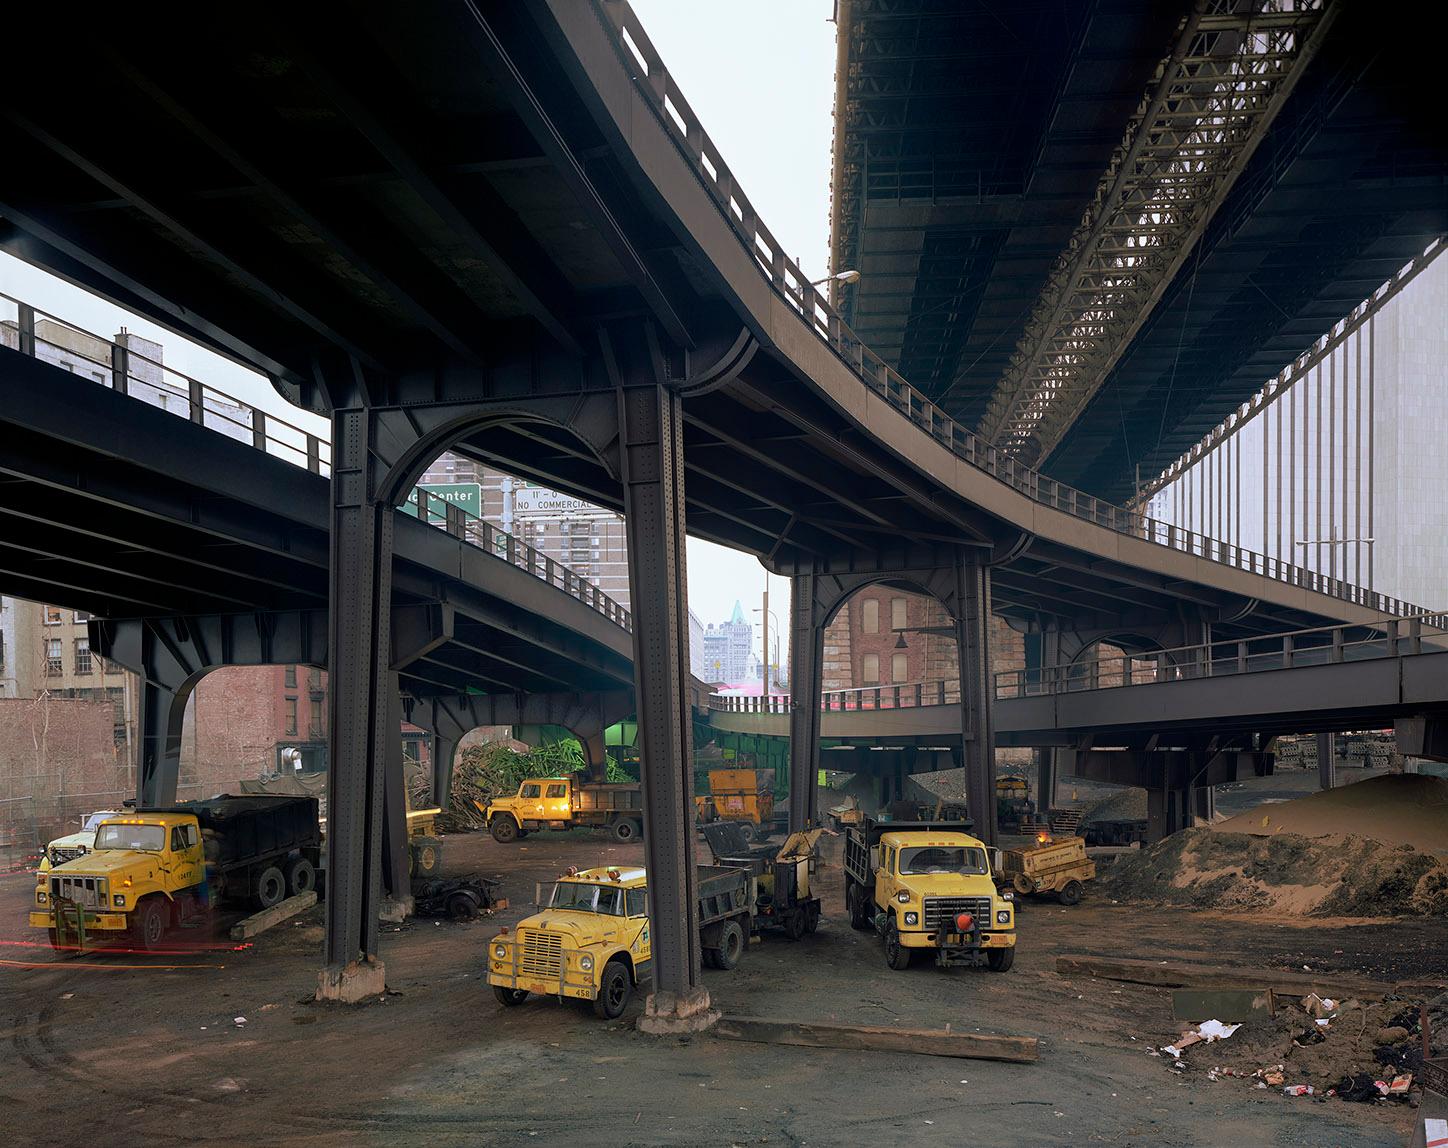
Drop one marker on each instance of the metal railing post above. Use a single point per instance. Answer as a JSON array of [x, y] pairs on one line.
[[197, 401], [1288, 650], [120, 369], [1337, 644], [1241, 657], [1415, 635], [314, 454], [25, 328], [258, 429]]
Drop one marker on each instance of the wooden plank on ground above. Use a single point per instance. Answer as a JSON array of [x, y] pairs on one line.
[[875, 1038], [261, 922], [1175, 974]]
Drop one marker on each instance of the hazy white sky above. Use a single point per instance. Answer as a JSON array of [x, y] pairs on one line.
[[760, 76]]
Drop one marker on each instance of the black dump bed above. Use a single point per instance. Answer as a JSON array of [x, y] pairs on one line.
[[724, 892], [252, 827], [860, 839]]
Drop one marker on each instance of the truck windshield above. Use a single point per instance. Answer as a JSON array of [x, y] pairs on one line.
[[942, 859], [587, 898], [151, 838]]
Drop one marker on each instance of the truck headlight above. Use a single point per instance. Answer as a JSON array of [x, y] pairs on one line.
[[1003, 916], [585, 963], [40, 897], [903, 897], [912, 918], [500, 951], [82, 850], [120, 900]]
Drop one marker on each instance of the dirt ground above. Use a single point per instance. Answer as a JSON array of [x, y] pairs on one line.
[[120, 1049]]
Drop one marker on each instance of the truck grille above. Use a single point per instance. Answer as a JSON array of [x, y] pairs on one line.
[[87, 891], [60, 854], [939, 910], [542, 954]]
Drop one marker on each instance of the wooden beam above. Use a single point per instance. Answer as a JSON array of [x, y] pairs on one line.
[[875, 1038]]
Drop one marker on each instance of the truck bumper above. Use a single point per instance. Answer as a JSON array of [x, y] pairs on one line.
[[500, 975], [921, 940], [106, 921]]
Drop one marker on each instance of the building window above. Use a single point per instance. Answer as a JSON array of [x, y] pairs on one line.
[[314, 677], [54, 667], [53, 616], [317, 729], [898, 610], [81, 616], [82, 656], [292, 716], [899, 667], [870, 616], [870, 670], [289, 678]]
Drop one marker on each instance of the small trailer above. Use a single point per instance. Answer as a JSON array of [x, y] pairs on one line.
[[781, 873], [1060, 867]]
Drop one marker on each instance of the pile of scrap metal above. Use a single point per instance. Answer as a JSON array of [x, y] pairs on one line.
[[461, 898]]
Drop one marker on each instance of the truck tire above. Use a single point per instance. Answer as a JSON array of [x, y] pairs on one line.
[[1000, 960], [148, 926], [747, 831], [510, 997], [623, 830], [615, 988], [1070, 893], [794, 924], [270, 887], [897, 956], [812, 917], [463, 906], [504, 829], [301, 876], [725, 955], [858, 902]]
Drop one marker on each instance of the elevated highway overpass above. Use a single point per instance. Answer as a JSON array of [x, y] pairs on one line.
[[499, 228]]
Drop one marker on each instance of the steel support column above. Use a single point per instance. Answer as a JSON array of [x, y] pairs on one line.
[[806, 683], [971, 609], [395, 878], [444, 749], [359, 640], [652, 464], [1326, 766], [158, 727]]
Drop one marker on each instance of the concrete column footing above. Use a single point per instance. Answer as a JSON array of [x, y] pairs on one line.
[[395, 910], [353, 982], [673, 1014]]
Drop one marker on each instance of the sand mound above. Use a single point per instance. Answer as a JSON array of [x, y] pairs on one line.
[[1398, 809], [1285, 874]]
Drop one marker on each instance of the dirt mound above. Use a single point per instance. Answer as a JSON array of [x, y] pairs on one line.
[[1127, 805], [1397, 809], [1286, 874]]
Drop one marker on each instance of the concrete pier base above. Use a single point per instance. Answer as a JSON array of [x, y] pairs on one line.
[[353, 982], [672, 1014], [395, 910]]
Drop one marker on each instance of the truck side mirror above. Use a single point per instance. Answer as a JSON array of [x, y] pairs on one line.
[[874, 857]]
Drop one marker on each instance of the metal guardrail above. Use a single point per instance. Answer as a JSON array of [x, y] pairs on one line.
[[902, 695], [47, 337], [1324, 645], [662, 94]]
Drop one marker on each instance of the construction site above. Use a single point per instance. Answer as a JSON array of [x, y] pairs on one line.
[[632, 572]]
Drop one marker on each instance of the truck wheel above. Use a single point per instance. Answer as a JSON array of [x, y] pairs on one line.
[[897, 956], [615, 988], [1070, 893], [747, 831], [624, 831], [301, 877], [463, 906], [812, 917], [794, 925], [510, 997], [148, 927], [504, 829], [730, 948], [1000, 960], [271, 887], [859, 906]]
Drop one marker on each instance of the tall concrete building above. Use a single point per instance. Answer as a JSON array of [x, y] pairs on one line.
[[1341, 470], [728, 650]]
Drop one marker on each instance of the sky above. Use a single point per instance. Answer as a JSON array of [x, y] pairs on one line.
[[760, 76]]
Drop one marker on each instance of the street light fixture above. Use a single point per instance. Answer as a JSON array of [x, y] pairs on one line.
[[850, 276]]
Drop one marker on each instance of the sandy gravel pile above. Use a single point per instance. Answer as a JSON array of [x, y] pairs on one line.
[[1284, 874], [1396, 809]]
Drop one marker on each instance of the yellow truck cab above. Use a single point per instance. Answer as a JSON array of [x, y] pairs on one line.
[[590, 939], [926, 885], [154, 869]]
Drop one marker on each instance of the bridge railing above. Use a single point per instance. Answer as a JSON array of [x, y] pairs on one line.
[[896, 696], [653, 80], [124, 369], [1325, 645]]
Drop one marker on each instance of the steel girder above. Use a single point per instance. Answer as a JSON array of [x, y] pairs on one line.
[[1210, 105]]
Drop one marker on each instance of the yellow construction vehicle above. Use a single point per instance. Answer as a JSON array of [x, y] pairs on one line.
[[590, 939], [562, 803], [1057, 866], [927, 885], [745, 796]]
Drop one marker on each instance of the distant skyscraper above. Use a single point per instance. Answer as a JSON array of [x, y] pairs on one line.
[[727, 654]]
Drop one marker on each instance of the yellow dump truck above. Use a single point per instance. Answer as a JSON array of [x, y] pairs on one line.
[[590, 939], [562, 803], [154, 869], [927, 885], [1060, 867], [745, 796]]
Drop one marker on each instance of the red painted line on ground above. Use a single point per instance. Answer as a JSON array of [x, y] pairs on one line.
[[85, 965]]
